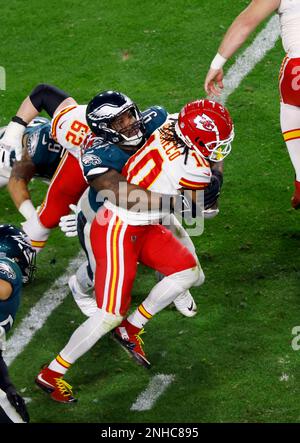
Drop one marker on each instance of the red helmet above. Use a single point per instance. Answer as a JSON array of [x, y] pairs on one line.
[[206, 126]]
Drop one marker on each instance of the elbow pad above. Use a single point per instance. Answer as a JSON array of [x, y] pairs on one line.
[[47, 97]]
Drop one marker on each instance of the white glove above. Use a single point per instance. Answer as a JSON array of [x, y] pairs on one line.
[[12, 139], [68, 223]]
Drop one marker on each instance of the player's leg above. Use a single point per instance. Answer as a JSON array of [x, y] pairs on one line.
[[66, 187], [290, 126], [181, 271], [81, 283], [184, 302], [289, 87], [113, 282]]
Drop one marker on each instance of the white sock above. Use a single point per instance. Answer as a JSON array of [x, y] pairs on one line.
[[86, 335], [290, 126]]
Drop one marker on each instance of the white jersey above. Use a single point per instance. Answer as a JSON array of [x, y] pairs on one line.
[[69, 128], [289, 15], [159, 166]]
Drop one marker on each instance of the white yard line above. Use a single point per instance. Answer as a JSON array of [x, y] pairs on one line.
[[262, 44], [156, 387], [38, 315]]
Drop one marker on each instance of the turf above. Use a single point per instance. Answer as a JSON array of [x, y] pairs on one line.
[[234, 360]]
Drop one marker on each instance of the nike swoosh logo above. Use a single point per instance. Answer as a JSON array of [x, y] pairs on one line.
[[60, 126], [40, 378], [190, 308], [207, 173]]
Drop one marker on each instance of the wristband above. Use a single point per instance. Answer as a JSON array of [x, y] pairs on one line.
[[27, 209], [19, 120], [218, 62]]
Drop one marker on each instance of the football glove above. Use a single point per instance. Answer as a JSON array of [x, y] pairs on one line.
[[213, 190], [12, 139], [68, 223], [18, 403]]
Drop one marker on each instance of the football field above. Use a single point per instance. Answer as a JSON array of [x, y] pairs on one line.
[[234, 361]]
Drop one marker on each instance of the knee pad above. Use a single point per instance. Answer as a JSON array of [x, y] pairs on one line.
[[201, 277], [180, 233], [107, 320], [188, 278]]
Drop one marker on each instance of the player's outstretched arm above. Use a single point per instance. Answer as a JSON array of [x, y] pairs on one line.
[[119, 190], [43, 97], [21, 174], [235, 36]]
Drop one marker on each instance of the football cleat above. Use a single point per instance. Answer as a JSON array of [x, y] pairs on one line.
[[53, 383], [86, 302], [296, 196], [132, 344], [185, 304]]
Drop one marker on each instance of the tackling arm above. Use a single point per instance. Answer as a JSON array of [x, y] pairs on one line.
[[21, 174], [114, 186], [43, 97], [236, 35]]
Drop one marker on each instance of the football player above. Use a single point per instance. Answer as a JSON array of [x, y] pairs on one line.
[[113, 158], [122, 236], [289, 84], [40, 157], [17, 265], [68, 128]]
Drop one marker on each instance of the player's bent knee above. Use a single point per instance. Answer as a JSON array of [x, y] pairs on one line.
[[189, 277], [99, 324], [201, 277], [111, 321]]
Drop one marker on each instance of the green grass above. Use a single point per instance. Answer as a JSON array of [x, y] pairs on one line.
[[228, 360]]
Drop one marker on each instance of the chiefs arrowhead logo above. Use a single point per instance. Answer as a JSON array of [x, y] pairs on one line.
[[205, 123]]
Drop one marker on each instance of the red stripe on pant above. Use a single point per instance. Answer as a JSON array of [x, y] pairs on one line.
[[66, 187]]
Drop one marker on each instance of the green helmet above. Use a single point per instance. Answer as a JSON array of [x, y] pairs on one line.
[[15, 245]]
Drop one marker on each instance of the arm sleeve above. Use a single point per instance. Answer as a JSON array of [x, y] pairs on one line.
[[47, 97]]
